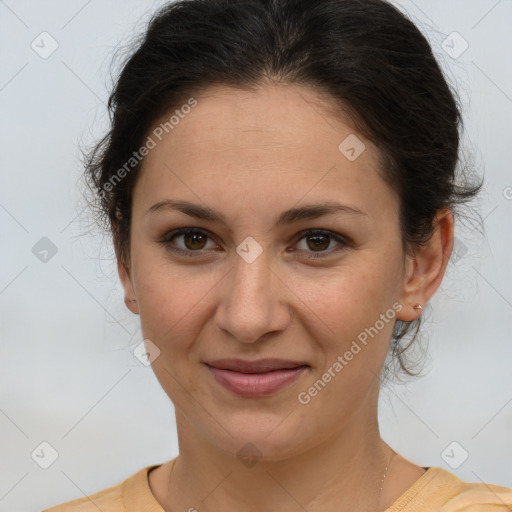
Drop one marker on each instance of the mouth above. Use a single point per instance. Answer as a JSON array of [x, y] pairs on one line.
[[259, 378], [257, 366]]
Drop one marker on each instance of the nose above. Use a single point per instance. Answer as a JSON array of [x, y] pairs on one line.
[[254, 301]]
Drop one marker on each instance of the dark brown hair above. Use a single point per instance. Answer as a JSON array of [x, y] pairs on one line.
[[366, 55]]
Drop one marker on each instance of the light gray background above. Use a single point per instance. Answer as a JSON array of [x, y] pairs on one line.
[[67, 374]]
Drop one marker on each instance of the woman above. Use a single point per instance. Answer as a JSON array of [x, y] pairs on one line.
[[280, 180]]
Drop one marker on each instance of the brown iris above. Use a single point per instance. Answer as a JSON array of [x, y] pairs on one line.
[[194, 241], [317, 241]]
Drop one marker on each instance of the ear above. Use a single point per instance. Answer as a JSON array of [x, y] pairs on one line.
[[425, 269], [129, 294]]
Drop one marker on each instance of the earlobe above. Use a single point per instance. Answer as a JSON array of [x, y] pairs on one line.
[[129, 293], [426, 269]]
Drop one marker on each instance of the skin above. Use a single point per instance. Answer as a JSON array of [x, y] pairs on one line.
[[250, 156]]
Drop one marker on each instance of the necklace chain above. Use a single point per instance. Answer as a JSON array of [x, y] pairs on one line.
[[384, 477]]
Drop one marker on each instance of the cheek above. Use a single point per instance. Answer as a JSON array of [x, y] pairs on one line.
[[169, 308], [350, 297], [172, 299], [357, 318]]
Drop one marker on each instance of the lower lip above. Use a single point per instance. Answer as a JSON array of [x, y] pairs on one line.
[[256, 384]]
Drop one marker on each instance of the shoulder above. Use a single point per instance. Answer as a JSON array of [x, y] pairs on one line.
[[111, 499], [438, 490], [480, 497]]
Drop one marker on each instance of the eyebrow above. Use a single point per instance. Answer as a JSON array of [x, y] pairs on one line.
[[306, 212]]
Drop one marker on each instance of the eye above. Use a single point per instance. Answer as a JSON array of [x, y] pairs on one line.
[[318, 240], [193, 241]]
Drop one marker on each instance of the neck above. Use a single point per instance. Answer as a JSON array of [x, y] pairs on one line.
[[342, 472]]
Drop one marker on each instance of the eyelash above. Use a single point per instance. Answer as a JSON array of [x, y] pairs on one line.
[[166, 241]]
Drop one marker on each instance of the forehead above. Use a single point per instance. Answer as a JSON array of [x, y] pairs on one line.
[[283, 141], [273, 114]]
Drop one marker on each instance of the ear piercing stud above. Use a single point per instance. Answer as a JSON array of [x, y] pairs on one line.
[[418, 306]]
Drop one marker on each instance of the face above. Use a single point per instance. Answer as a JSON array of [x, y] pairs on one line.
[[265, 274]]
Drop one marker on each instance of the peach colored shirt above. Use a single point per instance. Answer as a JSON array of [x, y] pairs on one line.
[[437, 490]]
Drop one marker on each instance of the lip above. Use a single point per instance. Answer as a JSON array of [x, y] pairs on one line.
[[257, 366], [256, 378]]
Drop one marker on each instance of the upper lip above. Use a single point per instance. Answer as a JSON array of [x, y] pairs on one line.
[[257, 366]]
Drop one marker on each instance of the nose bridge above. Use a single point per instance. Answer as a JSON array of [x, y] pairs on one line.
[[251, 305], [251, 279]]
